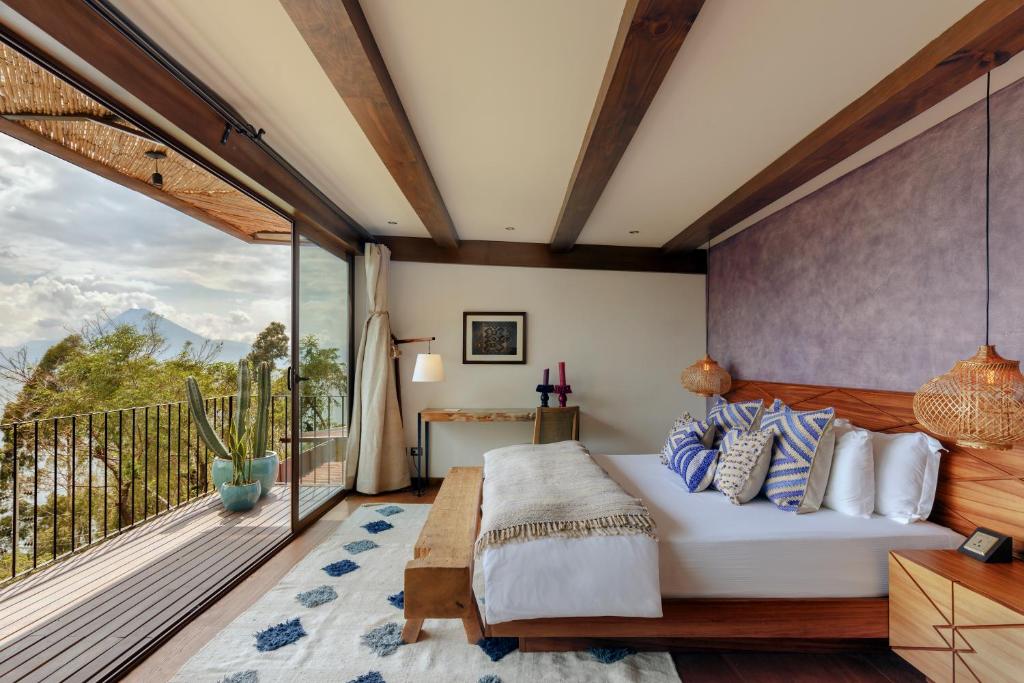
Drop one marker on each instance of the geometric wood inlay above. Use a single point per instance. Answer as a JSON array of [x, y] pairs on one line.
[[916, 618]]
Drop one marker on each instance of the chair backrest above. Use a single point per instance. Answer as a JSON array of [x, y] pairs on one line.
[[552, 425]]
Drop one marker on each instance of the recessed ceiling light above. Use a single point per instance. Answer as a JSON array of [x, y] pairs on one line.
[[392, 222], [634, 232], [509, 227]]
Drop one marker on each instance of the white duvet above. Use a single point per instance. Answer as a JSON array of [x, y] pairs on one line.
[[707, 547]]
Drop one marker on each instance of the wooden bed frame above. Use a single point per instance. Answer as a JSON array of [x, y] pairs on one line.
[[976, 488]]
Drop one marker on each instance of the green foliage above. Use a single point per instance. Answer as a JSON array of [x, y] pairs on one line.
[[270, 346], [326, 378]]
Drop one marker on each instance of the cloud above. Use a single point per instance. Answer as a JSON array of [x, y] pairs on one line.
[[73, 244]]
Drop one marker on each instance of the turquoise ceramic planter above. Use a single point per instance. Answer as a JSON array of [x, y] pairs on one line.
[[264, 470], [221, 472], [239, 498]]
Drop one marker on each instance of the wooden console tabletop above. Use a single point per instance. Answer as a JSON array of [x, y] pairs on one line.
[[477, 414]]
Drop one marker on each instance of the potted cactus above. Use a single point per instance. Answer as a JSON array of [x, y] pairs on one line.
[[240, 477]]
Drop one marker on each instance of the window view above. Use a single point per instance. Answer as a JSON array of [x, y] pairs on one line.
[[110, 300]]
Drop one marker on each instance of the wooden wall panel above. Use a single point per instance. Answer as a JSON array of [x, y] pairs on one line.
[[976, 487]]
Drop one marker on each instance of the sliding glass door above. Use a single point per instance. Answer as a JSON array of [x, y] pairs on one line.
[[320, 376]]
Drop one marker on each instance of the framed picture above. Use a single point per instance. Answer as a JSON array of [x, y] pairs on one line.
[[494, 338]]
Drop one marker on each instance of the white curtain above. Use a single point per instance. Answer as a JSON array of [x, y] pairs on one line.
[[376, 444]]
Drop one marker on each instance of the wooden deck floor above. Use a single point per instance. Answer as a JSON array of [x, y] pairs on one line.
[[86, 617]]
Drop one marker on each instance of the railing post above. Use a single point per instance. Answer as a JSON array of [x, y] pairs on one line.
[[56, 467], [177, 479], [35, 495], [106, 468], [71, 476], [14, 504], [90, 479], [145, 455]]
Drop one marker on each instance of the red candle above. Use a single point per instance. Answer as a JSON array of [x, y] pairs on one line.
[[561, 373], [546, 377]]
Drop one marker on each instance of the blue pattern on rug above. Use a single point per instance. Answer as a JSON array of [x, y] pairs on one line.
[[317, 596], [489, 678], [341, 568], [378, 526], [241, 677], [610, 655], [397, 600], [369, 677], [384, 640], [285, 633], [497, 648], [389, 510], [356, 547]]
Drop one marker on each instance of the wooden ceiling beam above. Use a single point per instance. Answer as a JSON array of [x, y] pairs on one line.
[[650, 34], [984, 38], [339, 36], [97, 34], [539, 255]]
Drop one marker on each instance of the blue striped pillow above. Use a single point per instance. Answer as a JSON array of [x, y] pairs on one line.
[[801, 457], [683, 426], [694, 463], [725, 416]]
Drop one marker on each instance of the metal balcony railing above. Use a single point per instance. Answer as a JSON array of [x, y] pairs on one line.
[[69, 482]]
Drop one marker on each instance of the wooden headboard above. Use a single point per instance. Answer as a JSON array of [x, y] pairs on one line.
[[976, 487]]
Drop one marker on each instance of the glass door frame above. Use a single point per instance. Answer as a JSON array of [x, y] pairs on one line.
[[300, 231]]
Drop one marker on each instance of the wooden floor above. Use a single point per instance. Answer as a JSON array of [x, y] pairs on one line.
[[85, 617], [729, 667]]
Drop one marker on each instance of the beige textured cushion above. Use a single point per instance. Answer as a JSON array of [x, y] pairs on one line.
[[743, 465]]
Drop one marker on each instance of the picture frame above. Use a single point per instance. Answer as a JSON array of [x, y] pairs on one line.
[[493, 338], [987, 546]]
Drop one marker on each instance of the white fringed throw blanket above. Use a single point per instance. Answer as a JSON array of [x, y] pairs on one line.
[[554, 490]]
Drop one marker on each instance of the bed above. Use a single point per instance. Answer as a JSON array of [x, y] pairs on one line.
[[730, 575], [707, 548]]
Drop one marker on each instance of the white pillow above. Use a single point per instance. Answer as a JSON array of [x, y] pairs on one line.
[[906, 474], [851, 482]]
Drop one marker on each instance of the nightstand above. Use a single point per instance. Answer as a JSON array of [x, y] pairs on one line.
[[956, 619]]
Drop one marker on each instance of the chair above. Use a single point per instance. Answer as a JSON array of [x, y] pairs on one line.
[[556, 424]]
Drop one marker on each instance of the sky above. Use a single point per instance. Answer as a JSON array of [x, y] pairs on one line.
[[74, 246]]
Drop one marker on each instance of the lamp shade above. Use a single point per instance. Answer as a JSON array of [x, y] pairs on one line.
[[980, 402], [706, 377], [429, 368]]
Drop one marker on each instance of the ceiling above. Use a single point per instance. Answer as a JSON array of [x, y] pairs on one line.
[[500, 94]]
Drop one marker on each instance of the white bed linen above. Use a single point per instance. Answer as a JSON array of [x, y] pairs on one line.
[[707, 547]]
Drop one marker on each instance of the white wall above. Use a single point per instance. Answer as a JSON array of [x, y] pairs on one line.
[[625, 337]]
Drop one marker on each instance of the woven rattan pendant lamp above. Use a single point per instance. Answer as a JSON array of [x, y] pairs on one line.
[[706, 377], [980, 402]]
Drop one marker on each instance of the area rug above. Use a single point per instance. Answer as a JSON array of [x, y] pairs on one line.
[[337, 616]]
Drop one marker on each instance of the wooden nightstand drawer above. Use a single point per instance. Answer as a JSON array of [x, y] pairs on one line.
[[955, 619]]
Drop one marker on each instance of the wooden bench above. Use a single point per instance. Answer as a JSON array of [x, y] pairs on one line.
[[439, 578]]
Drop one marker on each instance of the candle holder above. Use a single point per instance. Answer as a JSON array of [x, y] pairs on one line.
[[562, 391], [545, 390]]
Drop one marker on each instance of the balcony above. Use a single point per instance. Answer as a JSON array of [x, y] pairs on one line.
[[119, 537]]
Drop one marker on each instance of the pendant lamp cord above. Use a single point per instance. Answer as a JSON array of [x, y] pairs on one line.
[[988, 167], [707, 303]]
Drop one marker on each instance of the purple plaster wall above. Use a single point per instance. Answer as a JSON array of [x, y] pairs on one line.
[[877, 280]]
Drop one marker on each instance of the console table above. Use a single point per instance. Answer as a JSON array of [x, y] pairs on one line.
[[428, 415]]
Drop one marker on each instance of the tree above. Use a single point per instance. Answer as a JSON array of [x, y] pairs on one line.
[[271, 345], [325, 383], [116, 456]]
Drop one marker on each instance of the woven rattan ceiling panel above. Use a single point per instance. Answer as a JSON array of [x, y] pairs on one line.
[[39, 101]]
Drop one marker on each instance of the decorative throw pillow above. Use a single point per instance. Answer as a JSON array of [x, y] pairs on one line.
[[743, 464], [801, 457], [694, 463], [684, 425], [725, 416]]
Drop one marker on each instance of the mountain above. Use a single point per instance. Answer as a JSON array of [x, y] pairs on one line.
[[177, 336]]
